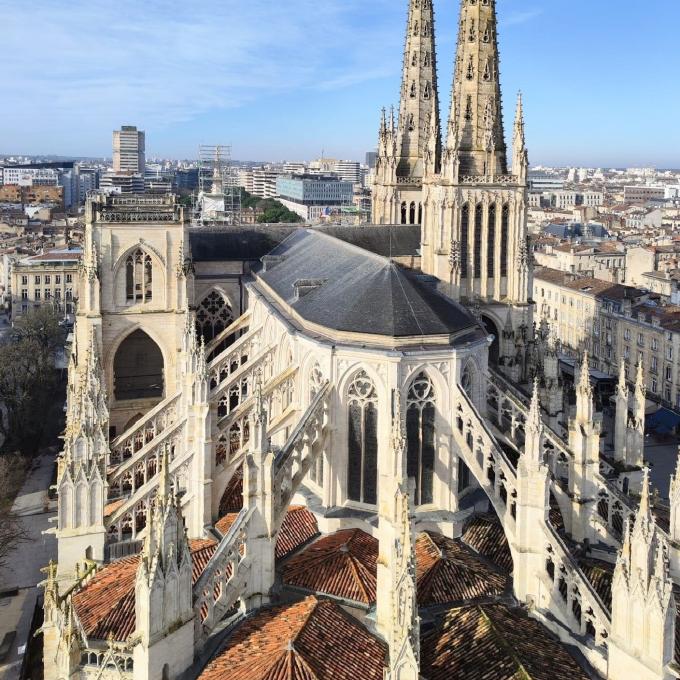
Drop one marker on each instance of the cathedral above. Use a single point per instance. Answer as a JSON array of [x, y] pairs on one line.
[[344, 453]]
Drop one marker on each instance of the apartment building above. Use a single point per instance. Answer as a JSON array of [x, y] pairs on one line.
[[129, 152], [613, 322], [605, 261], [50, 278]]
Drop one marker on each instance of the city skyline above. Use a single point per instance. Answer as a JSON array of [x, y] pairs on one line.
[[186, 81]]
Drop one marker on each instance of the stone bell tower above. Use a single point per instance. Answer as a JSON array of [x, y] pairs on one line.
[[474, 235], [403, 146]]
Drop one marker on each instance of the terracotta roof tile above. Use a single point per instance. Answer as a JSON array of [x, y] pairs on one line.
[[299, 527], [485, 535], [308, 640], [447, 571], [343, 564], [600, 574], [232, 498], [110, 508], [106, 605], [555, 514], [480, 642]]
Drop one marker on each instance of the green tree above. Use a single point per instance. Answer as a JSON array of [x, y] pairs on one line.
[[29, 380]]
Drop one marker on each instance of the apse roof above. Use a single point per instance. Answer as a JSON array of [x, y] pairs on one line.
[[485, 535], [340, 286], [447, 571], [299, 527], [477, 642], [106, 605], [308, 640], [343, 565]]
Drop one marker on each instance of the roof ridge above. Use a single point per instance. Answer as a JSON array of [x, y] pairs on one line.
[[351, 246], [312, 602], [503, 642], [354, 566]]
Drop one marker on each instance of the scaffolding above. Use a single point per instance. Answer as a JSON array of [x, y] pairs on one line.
[[219, 194]]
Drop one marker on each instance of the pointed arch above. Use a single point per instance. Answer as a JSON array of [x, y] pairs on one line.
[[138, 368], [491, 242], [362, 439], [477, 247], [464, 240], [139, 276], [420, 436], [213, 315], [505, 233]]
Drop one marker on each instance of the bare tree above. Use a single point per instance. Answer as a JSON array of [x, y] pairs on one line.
[[12, 530]]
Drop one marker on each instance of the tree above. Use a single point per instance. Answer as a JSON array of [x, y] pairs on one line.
[[28, 379], [12, 530]]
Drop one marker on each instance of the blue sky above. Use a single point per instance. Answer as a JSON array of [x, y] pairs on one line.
[[284, 80]]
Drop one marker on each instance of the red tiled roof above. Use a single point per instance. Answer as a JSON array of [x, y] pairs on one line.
[[447, 571], [55, 255], [110, 508], [600, 574], [298, 527], [485, 535], [480, 642], [555, 514], [106, 605], [343, 564], [308, 640], [232, 498]]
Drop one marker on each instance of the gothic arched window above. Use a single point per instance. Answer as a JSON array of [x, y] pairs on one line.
[[138, 276], [491, 243], [467, 381], [362, 440], [213, 316], [464, 236], [505, 228], [420, 418], [477, 252]]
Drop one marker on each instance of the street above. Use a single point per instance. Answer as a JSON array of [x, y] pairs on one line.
[[21, 574]]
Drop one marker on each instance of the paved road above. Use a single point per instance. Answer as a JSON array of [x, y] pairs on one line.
[[22, 572]]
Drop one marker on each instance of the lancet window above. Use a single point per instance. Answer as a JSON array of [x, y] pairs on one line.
[[491, 243], [362, 440], [138, 276], [420, 429], [505, 227], [477, 251], [464, 236]]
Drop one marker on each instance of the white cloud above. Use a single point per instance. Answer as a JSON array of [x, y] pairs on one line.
[[160, 62], [516, 18]]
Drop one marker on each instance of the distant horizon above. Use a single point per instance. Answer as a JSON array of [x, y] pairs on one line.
[[532, 168]]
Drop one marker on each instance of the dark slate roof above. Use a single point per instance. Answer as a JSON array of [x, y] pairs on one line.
[[251, 242], [394, 240], [359, 291], [244, 243]]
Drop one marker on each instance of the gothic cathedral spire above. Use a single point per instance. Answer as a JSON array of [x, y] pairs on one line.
[[475, 127], [474, 226], [407, 154], [419, 104]]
